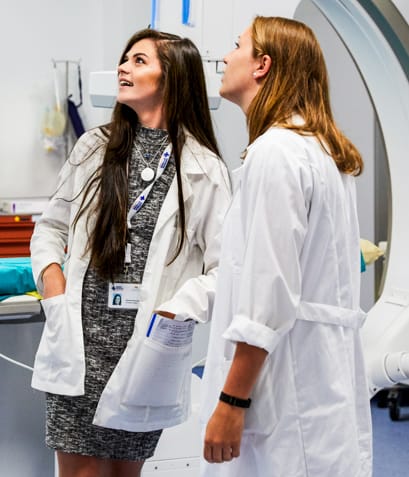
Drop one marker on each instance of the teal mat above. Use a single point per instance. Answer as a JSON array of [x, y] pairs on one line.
[[16, 277]]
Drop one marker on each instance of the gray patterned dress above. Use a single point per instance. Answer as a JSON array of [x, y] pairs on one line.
[[69, 425]]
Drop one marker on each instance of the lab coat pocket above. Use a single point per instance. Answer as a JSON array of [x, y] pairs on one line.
[[54, 351], [158, 375]]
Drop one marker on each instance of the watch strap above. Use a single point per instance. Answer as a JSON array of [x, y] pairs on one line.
[[234, 401]]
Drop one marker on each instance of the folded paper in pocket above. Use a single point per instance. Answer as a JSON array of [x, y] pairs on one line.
[[162, 364]]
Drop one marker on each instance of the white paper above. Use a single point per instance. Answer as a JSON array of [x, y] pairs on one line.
[[170, 332]]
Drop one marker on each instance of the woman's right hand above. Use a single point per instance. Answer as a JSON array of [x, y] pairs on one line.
[[53, 281]]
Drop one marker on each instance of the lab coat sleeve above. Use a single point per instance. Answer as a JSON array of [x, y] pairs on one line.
[[194, 300], [50, 237], [275, 187], [50, 234]]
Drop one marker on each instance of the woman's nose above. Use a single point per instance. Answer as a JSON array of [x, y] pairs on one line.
[[122, 68]]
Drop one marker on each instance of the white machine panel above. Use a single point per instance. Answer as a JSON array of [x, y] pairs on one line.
[[103, 88]]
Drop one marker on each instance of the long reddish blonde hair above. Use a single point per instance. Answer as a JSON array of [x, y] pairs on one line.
[[297, 83]]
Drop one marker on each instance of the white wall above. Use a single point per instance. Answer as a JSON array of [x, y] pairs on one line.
[[32, 33], [120, 20]]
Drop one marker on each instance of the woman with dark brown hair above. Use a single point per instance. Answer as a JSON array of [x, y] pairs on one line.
[[136, 215], [285, 391]]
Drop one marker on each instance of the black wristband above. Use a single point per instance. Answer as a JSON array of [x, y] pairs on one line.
[[234, 401]]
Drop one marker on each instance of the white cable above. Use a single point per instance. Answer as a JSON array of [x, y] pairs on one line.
[[15, 362]]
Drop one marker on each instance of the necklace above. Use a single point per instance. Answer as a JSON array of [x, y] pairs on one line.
[[148, 173]]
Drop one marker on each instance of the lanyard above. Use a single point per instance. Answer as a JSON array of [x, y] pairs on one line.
[[141, 199]]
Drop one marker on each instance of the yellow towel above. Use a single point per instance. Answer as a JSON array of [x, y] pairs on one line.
[[370, 251]]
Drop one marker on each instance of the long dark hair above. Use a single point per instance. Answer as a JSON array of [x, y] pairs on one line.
[[186, 108], [297, 82]]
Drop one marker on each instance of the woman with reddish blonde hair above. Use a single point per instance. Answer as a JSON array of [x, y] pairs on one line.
[[284, 388]]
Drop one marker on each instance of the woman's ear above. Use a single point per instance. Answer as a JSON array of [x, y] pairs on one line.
[[263, 67]]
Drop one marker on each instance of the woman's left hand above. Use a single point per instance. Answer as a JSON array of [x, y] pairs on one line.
[[223, 433]]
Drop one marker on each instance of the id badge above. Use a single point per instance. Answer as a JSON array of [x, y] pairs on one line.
[[123, 296]]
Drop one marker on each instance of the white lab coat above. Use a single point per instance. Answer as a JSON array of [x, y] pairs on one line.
[[185, 287], [288, 282]]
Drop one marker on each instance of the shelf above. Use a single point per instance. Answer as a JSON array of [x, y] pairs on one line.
[[15, 235]]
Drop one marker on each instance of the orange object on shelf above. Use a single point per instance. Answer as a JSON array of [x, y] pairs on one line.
[[15, 235]]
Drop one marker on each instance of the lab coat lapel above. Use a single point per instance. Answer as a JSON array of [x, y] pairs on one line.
[[170, 206]]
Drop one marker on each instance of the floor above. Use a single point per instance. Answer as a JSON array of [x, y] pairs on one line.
[[390, 440]]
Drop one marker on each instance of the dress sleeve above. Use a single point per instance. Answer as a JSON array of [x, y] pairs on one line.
[[275, 187]]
